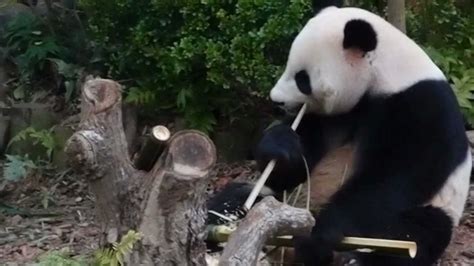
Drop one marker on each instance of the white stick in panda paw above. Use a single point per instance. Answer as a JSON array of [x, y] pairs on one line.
[[269, 168]]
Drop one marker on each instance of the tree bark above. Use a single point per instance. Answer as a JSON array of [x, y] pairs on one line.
[[396, 14], [130, 124], [166, 204], [267, 219]]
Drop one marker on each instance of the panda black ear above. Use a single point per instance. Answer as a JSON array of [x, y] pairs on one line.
[[321, 4], [359, 34]]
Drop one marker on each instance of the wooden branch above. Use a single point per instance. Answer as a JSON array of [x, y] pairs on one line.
[[264, 221], [130, 124], [166, 205]]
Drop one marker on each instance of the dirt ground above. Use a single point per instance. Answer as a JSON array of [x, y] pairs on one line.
[[28, 229], [461, 249]]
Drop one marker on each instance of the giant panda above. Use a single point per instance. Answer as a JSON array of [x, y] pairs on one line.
[[367, 84]]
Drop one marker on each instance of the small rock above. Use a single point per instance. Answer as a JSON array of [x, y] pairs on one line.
[[78, 199], [86, 224], [469, 224], [468, 254], [64, 226], [16, 219], [58, 232]]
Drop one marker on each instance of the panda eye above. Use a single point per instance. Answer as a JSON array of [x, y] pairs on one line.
[[303, 82]]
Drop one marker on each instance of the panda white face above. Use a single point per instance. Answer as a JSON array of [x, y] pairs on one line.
[[320, 72], [342, 54]]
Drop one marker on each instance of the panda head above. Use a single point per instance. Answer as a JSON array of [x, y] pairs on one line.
[[341, 54]]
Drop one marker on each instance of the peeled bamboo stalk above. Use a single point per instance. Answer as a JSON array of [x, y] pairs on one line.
[[221, 233]]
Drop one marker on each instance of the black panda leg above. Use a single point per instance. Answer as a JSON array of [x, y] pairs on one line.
[[429, 227]]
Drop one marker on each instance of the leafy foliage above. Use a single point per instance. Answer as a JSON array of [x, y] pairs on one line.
[[114, 256], [16, 167], [29, 44], [71, 74], [206, 60], [60, 258], [35, 42], [447, 33], [43, 137], [377, 6], [445, 29]]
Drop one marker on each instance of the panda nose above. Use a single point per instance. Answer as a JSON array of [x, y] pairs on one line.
[[278, 103]]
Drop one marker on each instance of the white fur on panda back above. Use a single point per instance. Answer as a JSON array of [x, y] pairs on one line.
[[452, 197]]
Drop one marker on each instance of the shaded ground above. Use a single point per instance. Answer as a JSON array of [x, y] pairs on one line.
[[29, 229], [67, 222], [461, 250]]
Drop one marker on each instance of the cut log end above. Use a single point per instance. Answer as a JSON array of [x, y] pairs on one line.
[[102, 94], [192, 153], [161, 133]]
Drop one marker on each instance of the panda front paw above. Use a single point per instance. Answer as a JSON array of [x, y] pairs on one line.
[[279, 143], [310, 252], [317, 249]]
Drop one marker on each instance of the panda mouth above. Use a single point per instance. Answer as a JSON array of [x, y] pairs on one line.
[[291, 110], [279, 111], [282, 111]]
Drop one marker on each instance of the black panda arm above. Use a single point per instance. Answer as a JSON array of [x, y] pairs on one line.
[[315, 136]]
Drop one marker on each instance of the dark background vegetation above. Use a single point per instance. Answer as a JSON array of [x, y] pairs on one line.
[[207, 65]]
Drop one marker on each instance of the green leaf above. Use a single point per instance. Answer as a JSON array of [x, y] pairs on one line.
[[42, 137], [19, 92], [16, 167], [200, 56]]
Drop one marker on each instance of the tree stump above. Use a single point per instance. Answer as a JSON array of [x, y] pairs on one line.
[[166, 204]]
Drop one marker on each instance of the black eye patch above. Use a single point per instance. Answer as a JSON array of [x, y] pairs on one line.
[[303, 82]]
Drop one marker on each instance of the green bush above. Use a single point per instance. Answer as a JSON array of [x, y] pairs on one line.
[[205, 60], [41, 48], [196, 58], [29, 44], [445, 29], [447, 33]]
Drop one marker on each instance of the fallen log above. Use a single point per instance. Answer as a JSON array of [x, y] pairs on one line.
[[264, 221]]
